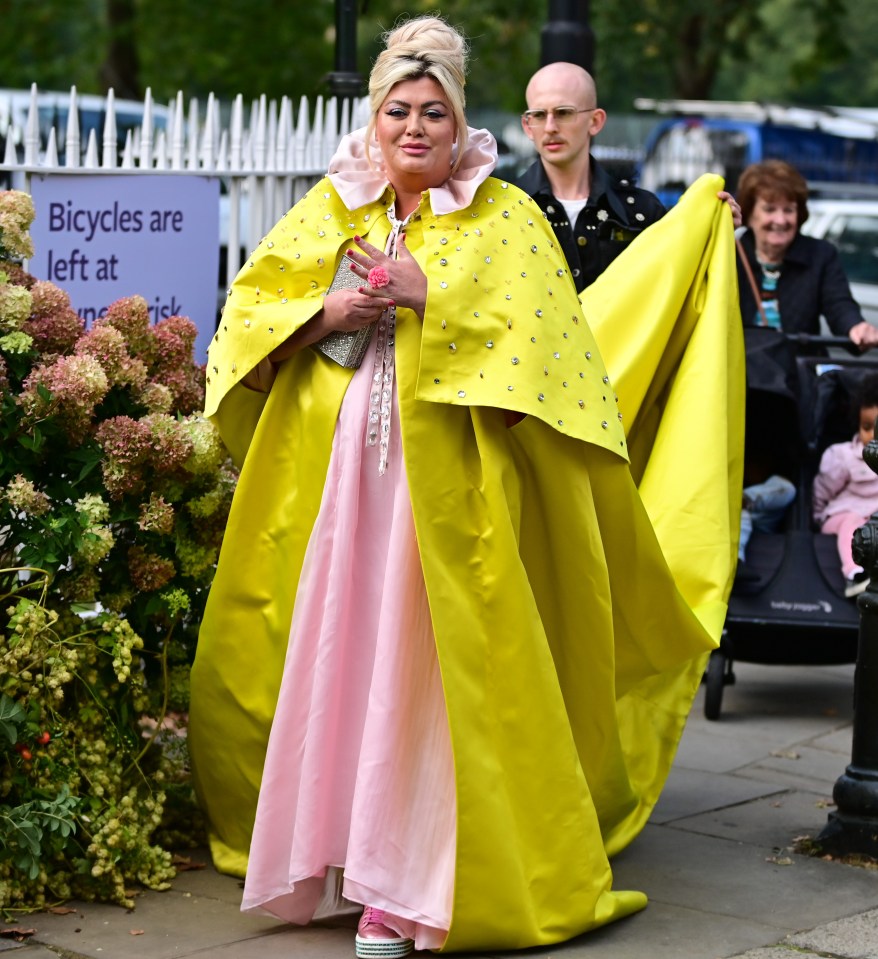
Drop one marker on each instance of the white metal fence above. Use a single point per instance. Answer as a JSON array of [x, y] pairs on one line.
[[266, 156]]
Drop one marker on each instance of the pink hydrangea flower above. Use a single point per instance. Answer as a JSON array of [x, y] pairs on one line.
[[16, 215], [15, 306], [176, 334], [157, 398], [378, 277], [170, 444], [149, 571], [21, 494], [126, 444], [186, 386], [208, 451], [107, 345], [57, 333], [130, 316], [76, 385], [48, 299], [156, 516]]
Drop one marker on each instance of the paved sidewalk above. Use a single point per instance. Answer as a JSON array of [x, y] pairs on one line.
[[715, 859]]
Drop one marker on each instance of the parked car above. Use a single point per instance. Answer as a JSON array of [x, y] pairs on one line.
[[852, 225], [53, 111]]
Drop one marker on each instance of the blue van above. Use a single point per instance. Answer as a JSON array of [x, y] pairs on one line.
[[836, 152]]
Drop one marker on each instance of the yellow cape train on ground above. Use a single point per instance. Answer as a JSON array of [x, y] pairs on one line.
[[571, 610]]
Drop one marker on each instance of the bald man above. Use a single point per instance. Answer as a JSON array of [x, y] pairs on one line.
[[594, 215]]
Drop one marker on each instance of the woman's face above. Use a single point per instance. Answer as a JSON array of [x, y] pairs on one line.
[[774, 222], [416, 131]]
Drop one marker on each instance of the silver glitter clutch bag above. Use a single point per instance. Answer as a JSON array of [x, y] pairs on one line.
[[347, 349]]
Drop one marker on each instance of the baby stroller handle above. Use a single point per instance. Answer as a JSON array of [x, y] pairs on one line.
[[805, 340]]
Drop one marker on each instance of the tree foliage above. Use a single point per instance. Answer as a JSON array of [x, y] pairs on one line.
[[262, 46], [49, 42], [504, 39], [704, 49], [790, 58], [691, 38], [790, 50]]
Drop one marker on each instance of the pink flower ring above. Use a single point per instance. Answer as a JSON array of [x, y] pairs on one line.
[[378, 277]]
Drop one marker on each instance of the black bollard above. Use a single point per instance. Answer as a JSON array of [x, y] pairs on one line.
[[567, 34], [344, 81], [853, 826]]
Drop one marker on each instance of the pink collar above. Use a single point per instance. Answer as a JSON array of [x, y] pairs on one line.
[[358, 183]]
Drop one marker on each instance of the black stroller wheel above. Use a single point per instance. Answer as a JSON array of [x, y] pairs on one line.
[[715, 679]]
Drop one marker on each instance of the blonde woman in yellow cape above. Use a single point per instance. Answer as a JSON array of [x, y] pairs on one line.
[[440, 591]]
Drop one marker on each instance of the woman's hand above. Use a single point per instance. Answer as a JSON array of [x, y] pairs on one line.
[[350, 310], [864, 335], [344, 310], [733, 206], [406, 284]]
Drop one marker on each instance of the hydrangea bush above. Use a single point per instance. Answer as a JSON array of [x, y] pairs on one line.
[[114, 493]]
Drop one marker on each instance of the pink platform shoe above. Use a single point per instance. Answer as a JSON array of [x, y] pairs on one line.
[[376, 939]]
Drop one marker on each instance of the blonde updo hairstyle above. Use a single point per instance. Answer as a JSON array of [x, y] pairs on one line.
[[422, 47]]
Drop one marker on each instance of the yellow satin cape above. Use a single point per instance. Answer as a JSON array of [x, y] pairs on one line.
[[667, 319], [567, 651]]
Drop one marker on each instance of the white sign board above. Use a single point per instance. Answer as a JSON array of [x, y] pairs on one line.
[[104, 237]]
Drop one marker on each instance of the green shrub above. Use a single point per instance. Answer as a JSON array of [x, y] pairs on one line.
[[114, 493]]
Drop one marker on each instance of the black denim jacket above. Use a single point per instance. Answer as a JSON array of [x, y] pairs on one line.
[[615, 214]]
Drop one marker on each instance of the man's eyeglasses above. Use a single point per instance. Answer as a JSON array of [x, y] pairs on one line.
[[562, 115]]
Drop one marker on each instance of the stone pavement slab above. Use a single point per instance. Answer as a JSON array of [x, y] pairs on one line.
[[777, 952], [690, 792], [772, 821], [798, 767], [720, 876], [722, 747], [207, 882], [163, 925], [838, 741], [853, 938], [32, 951]]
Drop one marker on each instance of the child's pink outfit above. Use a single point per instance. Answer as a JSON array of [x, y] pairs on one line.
[[845, 495]]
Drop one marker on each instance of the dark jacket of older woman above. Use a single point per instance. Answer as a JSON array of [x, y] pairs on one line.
[[812, 283]]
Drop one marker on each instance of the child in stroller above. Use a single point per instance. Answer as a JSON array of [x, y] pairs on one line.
[[845, 489], [790, 606]]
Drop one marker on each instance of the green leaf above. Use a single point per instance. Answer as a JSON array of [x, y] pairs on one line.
[[87, 468], [11, 717]]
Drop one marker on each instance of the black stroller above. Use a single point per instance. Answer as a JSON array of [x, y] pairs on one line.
[[791, 608]]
